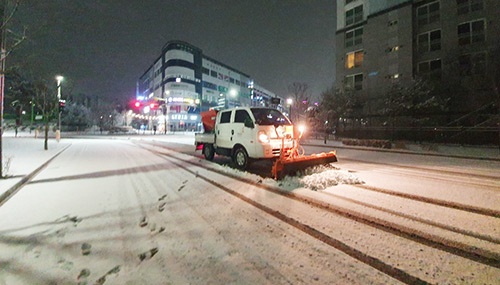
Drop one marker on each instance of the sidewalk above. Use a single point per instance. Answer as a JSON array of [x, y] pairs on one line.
[[471, 152]]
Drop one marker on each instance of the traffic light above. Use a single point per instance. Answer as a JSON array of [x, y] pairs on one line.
[[62, 104], [153, 105], [136, 104]]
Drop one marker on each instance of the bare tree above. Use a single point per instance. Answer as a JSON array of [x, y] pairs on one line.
[[333, 106], [300, 100], [47, 104], [7, 10]]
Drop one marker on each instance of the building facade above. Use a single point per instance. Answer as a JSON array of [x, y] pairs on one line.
[[186, 82], [384, 42]]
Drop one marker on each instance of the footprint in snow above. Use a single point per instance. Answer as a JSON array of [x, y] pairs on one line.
[[82, 277], [180, 188], [86, 248], [68, 218], [161, 206], [75, 220], [143, 222], [102, 279], [162, 197], [148, 254], [65, 265]]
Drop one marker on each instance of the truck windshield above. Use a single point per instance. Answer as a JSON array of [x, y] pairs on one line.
[[269, 117]]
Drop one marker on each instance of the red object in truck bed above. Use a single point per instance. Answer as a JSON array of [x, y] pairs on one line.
[[208, 120]]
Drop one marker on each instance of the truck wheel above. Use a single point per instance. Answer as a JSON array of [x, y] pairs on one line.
[[240, 158], [208, 151]]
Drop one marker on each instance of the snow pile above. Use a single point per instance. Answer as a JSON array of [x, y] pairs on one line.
[[332, 177], [313, 178], [319, 178]]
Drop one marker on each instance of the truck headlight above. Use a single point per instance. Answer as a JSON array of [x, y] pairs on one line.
[[263, 137], [302, 129]]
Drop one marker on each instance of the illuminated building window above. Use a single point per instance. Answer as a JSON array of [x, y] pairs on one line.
[[394, 76], [394, 48], [354, 59]]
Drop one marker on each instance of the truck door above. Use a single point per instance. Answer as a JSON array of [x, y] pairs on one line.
[[223, 129], [244, 134]]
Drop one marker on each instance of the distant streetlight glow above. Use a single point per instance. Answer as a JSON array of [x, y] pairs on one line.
[[289, 102], [233, 92], [59, 79]]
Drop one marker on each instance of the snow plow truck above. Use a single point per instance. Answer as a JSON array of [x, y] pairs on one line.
[[247, 134]]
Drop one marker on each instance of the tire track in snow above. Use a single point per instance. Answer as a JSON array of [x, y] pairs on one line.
[[485, 256], [378, 264], [447, 204], [427, 169]]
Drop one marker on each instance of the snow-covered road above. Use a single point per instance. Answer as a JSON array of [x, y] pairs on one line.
[[110, 212]]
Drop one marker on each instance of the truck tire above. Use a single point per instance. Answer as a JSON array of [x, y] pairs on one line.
[[240, 158], [208, 151]]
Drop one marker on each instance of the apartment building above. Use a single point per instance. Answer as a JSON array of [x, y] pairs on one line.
[[453, 43]]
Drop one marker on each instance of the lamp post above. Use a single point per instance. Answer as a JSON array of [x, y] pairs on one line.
[[59, 79], [32, 103], [289, 102]]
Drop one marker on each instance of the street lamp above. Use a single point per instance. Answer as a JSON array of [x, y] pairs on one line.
[[59, 79]]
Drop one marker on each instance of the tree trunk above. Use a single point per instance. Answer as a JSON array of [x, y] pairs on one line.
[[46, 142]]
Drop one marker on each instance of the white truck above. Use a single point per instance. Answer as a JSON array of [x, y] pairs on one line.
[[251, 133], [244, 134]]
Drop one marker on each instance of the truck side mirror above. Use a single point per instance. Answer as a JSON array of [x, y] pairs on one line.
[[249, 123]]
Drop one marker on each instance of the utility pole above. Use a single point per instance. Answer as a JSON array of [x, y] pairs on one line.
[[2, 75]]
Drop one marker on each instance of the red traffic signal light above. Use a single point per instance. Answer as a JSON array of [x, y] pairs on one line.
[[136, 104], [62, 104]]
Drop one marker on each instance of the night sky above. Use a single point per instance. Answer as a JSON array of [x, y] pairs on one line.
[[102, 47]]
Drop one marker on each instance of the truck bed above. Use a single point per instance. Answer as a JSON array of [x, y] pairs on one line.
[[203, 138]]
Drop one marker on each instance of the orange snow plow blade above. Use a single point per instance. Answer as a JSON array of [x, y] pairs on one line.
[[291, 164]]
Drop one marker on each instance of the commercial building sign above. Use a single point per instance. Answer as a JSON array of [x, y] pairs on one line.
[[180, 100], [184, 117]]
